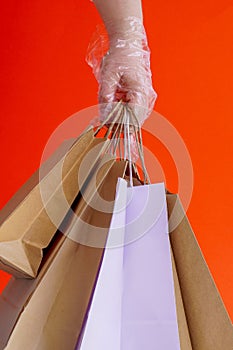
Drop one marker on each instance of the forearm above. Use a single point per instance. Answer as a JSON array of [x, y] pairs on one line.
[[113, 13]]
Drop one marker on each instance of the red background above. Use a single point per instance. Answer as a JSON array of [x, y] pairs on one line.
[[44, 79]]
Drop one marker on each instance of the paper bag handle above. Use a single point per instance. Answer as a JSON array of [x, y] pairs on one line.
[[122, 126]]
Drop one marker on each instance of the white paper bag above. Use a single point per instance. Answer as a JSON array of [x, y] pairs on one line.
[[133, 306]]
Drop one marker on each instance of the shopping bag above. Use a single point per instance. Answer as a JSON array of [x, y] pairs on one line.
[[133, 306], [209, 324], [32, 217], [185, 341], [53, 314], [203, 322]]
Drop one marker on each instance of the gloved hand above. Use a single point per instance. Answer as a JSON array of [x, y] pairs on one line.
[[124, 71]]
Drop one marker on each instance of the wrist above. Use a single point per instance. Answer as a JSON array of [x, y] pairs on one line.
[[127, 32]]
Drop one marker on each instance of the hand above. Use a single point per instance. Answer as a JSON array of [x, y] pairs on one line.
[[124, 72]]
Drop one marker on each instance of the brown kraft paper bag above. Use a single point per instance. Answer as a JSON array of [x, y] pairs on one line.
[[27, 227], [203, 321], [185, 342], [53, 315]]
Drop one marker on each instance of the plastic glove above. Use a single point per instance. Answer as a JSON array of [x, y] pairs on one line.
[[124, 71]]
